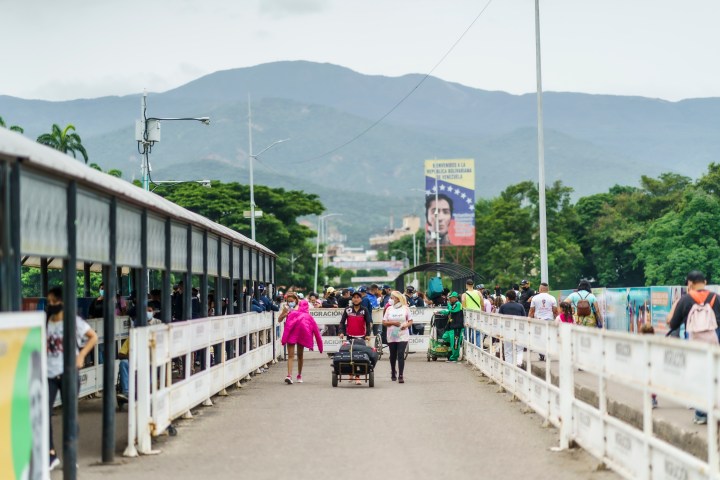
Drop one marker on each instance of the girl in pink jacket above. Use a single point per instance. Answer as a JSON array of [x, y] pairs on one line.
[[300, 328]]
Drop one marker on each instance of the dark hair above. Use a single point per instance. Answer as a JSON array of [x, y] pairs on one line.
[[510, 294], [566, 308], [469, 281], [695, 276], [429, 199], [544, 284], [647, 328], [345, 290], [516, 286], [584, 285], [56, 292]]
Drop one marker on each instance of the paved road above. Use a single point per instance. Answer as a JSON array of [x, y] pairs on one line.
[[446, 420]]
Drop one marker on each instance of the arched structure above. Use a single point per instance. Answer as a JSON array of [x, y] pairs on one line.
[[457, 273]]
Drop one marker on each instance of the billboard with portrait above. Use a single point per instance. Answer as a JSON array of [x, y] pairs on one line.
[[450, 202]]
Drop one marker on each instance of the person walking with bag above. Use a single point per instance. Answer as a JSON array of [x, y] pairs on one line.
[[587, 309], [699, 310], [300, 328], [397, 320]]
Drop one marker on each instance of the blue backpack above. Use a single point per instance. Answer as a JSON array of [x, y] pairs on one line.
[[435, 287]]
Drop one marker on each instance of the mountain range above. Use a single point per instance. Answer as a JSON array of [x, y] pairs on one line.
[[592, 142]]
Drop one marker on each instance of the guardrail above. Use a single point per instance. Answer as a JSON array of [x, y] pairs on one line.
[[180, 365], [686, 372]]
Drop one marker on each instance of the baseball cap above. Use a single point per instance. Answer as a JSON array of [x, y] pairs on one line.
[[453, 294], [261, 287], [300, 295], [356, 293], [351, 289], [409, 288], [524, 282], [362, 289], [330, 290], [479, 286], [386, 287]]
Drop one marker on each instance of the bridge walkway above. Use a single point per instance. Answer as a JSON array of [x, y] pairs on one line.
[[444, 421]]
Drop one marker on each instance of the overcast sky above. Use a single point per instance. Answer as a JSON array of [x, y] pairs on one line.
[[88, 48]]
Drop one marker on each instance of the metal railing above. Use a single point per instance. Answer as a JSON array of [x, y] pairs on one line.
[[683, 371], [175, 367]]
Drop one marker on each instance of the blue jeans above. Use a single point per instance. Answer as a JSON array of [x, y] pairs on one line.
[[124, 383]]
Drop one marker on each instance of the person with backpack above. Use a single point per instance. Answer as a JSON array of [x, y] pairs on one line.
[[586, 306], [699, 311]]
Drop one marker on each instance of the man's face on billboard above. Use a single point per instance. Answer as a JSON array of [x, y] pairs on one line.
[[444, 216]]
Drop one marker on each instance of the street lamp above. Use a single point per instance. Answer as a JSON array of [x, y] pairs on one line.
[[147, 132], [406, 259], [541, 153], [252, 157], [321, 219]]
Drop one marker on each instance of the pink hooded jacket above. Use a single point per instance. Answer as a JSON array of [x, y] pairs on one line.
[[300, 327]]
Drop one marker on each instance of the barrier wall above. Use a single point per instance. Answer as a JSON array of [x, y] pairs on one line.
[[180, 365], [686, 372]]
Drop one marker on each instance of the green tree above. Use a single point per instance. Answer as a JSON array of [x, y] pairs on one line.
[[682, 240], [278, 228], [112, 172], [64, 140], [13, 128]]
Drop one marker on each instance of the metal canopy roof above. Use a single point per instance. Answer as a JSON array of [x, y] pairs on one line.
[[455, 272], [14, 146]]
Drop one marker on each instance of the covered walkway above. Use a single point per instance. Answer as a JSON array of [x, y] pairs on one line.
[[445, 422]]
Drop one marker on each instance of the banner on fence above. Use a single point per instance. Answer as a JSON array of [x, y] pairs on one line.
[[23, 396]]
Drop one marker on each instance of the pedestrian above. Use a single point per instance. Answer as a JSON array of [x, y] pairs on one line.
[[356, 323], [699, 311], [455, 326], [85, 336], [471, 298], [587, 309], [526, 295], [397, 320], [329, 301], [300, 329], [566, 313], [291, 303], [512, 307], [543, 306]]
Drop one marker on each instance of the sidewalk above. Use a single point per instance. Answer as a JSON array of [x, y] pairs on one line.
[[446, 420]]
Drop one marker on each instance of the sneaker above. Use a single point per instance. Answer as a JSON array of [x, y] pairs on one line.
[[401, 379], [288, 380], [393, 377], [698, 420], [299, 379], [122, 396], [54, 462]]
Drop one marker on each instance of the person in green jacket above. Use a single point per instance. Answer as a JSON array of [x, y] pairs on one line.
[[456, 324]]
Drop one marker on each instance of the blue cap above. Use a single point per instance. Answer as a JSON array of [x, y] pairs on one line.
[[351, 289], [386, 287], [362, 289]]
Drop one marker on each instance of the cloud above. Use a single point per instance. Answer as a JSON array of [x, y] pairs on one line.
[[286, 8]]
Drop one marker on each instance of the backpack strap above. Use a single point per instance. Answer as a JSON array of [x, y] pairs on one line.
[[473, 299]]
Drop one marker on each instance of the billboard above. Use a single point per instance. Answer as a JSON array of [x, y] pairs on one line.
[[23, 397], [450, 202]]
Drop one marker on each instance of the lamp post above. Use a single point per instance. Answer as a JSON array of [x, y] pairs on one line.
[[406, 259], [252, 157], [541, 153], [147, 132], [321, 219]]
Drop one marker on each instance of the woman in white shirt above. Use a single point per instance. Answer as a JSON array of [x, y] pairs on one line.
[[397, 321]]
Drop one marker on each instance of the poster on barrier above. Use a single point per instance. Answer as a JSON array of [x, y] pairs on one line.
[[662, 300], [616, 309], [23, 396], [638, 308]]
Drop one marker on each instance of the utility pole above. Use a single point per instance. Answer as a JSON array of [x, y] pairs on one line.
[[541, 153]]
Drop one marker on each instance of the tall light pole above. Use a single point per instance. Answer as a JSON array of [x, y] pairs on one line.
[[251, 158], [147, 132], [321, 219], [541, 153]]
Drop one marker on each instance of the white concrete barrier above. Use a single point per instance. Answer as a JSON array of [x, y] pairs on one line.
[[683, 371]]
